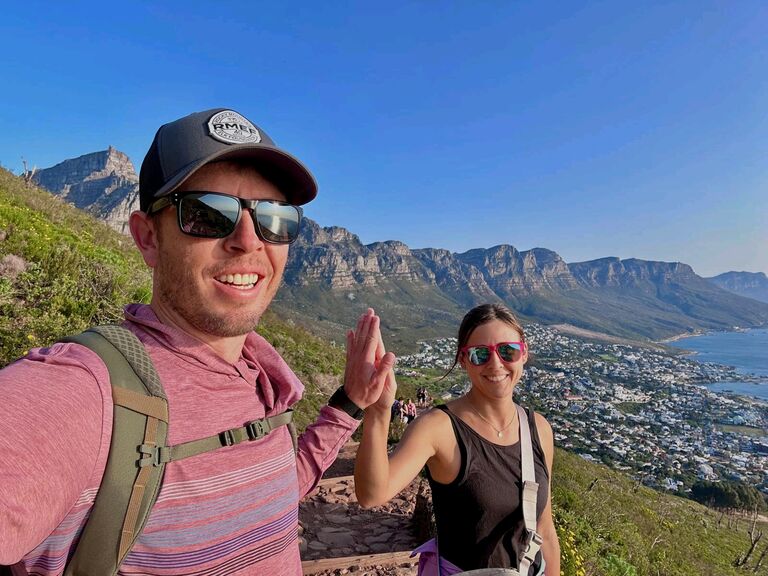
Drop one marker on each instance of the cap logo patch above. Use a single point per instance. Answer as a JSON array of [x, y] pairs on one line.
[[232, 128]]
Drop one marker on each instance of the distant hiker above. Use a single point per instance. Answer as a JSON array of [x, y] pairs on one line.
[[410, 411], [397, 408], [421, 397], [219, 206], [489, 461]]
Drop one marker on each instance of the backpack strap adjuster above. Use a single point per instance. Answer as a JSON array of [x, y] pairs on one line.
[[257, 429], [227, 438], [233, 436]]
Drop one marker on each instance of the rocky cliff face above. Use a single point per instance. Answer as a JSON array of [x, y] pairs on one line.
[[612, 272], [337, 259], [749, 284], [511, 273], [102, 183], [432, 288]]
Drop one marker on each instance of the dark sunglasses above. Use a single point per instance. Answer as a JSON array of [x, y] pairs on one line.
[[507, 351], [215, 215]]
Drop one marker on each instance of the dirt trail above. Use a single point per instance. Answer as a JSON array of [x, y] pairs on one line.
[[339, 537]]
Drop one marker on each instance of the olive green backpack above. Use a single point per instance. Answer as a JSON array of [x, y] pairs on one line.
[[138, 452]]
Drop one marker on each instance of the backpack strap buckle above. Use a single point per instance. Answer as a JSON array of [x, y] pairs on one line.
[[533, 542], [153, 455], [257, 429]]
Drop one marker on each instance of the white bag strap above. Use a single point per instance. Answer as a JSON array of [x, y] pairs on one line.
[[530, 492]]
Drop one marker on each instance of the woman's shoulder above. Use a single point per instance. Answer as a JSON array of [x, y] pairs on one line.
[[542, 424], [435, 415], [430, 427], [545, 435]]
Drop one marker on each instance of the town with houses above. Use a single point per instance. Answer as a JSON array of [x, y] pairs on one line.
[[645, 410]]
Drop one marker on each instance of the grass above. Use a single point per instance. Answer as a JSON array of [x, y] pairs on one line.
[[63, 270], [610, 525], [630, 407], [745, 430]]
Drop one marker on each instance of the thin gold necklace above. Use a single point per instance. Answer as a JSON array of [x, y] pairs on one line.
[[499, 432]]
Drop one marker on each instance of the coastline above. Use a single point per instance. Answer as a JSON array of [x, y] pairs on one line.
[[749, 383], [693, 334], [739, 396], [701, 332]]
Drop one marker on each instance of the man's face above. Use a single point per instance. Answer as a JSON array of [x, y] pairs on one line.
[[206, 286]]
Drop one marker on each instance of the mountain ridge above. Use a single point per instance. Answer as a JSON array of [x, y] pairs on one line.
[[331, 276], [750, 284]]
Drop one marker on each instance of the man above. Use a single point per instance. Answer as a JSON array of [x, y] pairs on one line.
[[218, 209]]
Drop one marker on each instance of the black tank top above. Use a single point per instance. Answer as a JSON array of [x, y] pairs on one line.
[[479, 516]]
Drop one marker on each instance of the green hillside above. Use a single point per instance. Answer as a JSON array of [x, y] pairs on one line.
[[61, 270], [610, 525]]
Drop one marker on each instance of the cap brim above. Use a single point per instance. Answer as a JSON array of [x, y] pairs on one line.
[[285, 171]]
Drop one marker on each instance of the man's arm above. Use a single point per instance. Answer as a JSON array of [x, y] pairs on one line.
[[51, 421], [365, 376], [319, 445]]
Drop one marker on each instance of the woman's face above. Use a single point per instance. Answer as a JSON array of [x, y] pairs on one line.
[[496, 378]]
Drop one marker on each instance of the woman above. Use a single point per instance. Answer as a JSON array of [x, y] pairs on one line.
[[471, 447]]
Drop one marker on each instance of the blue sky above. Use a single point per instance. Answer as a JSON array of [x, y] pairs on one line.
[[629, 129]]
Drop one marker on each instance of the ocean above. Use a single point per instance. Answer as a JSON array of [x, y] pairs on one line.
[[747, 351]]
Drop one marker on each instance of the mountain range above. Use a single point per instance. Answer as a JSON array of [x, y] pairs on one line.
[[749, 284], [331, 277]]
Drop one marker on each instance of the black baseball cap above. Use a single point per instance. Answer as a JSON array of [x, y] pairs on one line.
[[183, 146]]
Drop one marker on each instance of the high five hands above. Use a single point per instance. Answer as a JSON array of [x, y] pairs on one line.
[[369, 378]]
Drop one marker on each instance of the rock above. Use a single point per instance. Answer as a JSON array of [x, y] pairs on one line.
[[337, 518], [11, 266], [103, 183], [336, 539]]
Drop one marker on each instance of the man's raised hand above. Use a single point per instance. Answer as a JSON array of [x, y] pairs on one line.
[[369, 376]]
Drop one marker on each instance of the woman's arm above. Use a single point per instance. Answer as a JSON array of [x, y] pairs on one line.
[[550, 548], [379, 477], [370, 383]]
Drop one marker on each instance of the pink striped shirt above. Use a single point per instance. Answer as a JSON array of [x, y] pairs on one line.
[[231, 511]]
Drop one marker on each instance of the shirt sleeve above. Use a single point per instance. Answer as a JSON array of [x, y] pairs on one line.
[[55, 406], [319, 445]]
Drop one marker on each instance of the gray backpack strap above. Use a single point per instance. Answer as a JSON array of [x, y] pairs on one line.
[[138, 451], [160, 455], [127, 492], [530, 493]]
